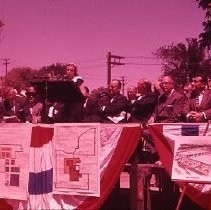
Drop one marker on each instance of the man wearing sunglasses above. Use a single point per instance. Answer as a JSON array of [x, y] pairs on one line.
[[35, 104]]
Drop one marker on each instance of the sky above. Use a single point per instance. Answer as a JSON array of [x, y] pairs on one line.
[[39, 33]]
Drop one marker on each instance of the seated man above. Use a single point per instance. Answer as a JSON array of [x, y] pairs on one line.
[[14, 108], [115, 110], [35, 104], [198, 108], [90, 107], [170, 103], [144, 106], [132, 94], [168, 110]]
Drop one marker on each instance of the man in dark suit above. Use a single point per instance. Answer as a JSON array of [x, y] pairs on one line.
[[14, 108], [198, 108], [115, 111], [132, 94], [54, 113], [170, 103], [35, 104], [90, 107], [144, 105]]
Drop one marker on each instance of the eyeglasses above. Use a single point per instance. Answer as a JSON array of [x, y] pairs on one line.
[[70, 70]]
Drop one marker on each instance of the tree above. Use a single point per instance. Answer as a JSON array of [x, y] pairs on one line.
[[204, 4], [20, 78], [95, 92], [182, 61], [205, 36], [55, 71]]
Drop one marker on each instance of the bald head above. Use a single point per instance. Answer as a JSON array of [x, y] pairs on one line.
[[132, 92], [144, 86]]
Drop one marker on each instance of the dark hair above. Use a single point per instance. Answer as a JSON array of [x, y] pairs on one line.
[[203, 77], [119, 83]]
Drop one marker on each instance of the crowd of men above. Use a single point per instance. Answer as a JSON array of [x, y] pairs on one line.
[[145, 103]]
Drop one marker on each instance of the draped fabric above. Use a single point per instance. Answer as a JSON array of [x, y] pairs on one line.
[[125, 147], [117, 143], [162, 135]]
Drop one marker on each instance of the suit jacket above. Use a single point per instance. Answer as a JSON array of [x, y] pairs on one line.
[[143, 108], [36, 110], [118, 104], [54, 113], [19, 108], [169, 108], [204, 106], [90, 111]]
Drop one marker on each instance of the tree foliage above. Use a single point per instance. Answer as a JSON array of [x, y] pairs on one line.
[[205, 36], [182, 61], [204, 4], [56, 71], [20, 78]]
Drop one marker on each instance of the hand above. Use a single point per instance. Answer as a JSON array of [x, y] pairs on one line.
[[195, 116], [151, 120], [199, 116]]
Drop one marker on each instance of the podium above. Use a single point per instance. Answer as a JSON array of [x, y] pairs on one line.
[[65, 93], [58, 91]]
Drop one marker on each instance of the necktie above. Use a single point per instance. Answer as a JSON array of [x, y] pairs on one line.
[[197, 103]]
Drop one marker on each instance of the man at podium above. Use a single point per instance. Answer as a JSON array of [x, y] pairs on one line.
[[63, 99]]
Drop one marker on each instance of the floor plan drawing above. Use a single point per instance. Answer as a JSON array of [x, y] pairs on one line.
[[76, 168], [14, 160]]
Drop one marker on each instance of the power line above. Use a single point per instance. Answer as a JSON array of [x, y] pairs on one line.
[[93, 66], [141, 56], [90, 60], [145, 64]]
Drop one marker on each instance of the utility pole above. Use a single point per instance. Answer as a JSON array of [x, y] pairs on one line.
[[123, 84], [112, 60], [6, 64]]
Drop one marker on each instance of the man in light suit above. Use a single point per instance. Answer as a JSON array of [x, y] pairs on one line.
[[198, 108], [170, 103]]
